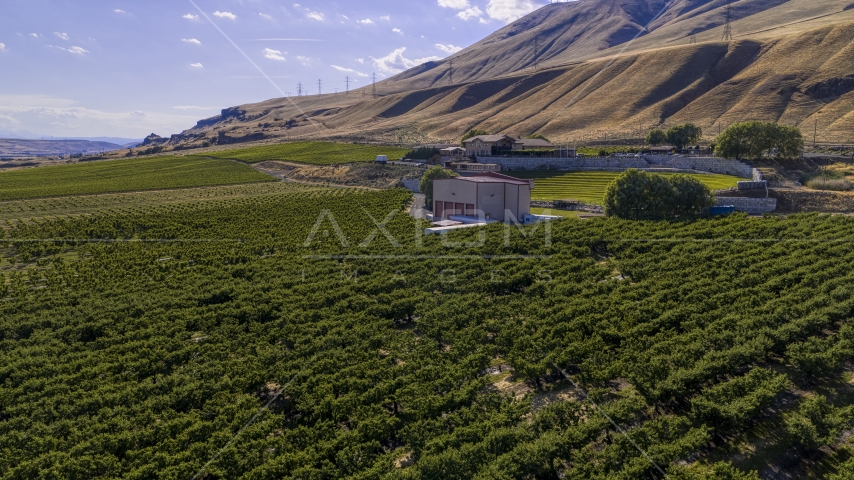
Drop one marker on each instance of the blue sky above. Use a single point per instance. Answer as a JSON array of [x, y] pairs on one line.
[[129, 68]]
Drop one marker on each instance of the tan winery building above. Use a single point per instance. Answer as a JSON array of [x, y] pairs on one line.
[[488, 195]]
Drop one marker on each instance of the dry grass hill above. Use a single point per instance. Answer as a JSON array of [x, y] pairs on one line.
[[603, 67]]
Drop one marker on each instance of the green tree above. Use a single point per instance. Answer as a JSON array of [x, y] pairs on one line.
[[433, 173], [473, 133], [682, 135], [817, 423], [636, 195], [759, 139], [656, 137], [691, 196]]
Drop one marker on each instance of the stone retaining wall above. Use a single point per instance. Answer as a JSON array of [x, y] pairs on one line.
[[412, 185], [619, 164], [753, 206]]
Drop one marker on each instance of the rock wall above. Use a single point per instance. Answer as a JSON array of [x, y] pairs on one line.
[[753, 206], [619, 164], [412, 185]]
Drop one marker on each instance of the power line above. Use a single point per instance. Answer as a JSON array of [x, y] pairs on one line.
[[319, 88], [727, 36], [299, 89], [348, 86], [374, 86]]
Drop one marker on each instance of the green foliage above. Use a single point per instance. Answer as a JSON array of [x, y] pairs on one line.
[[137, 345], [424, 153], [718, 471], [729, 405], [681, 136], [311, 153], [656, 137], [124, 176], [636, 195], [426, 185], [473, 133], [754, 140], [818, 423], [593, 151], [820, 357]]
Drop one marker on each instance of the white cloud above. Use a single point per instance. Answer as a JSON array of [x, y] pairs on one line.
[[366, 21], [449, 49], [61, 36], [227, 15], [361, 60], [119, 11], [397, 30], [78, 50], [266, 16], [64, 117], [190, 16], [273, 55], [197, 65], [2, 47], [473, 12], [455, 4], [349, 70], [395, 62], [315, 16], [386, 18], [34, 35], [305, 60], [510, 10], [191, 40]]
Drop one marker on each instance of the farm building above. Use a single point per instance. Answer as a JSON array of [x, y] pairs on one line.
[[488, 145], [488, 195]]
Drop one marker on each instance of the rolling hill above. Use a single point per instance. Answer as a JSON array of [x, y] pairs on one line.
[[603, 68]]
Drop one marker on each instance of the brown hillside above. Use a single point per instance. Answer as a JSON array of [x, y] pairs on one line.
[[791, 61]]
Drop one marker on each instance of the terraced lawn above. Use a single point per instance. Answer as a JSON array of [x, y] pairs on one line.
[[589, 187]]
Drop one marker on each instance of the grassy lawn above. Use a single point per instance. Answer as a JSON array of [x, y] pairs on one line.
[[313, 153], [557, 213], [157, 173], [589, 187]]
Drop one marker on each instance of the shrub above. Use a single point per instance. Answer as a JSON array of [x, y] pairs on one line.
[[682, 135], [426, 185], [759, 139], [424, 153], [826, 183], [656, 137], [637, 195], [817, 423]]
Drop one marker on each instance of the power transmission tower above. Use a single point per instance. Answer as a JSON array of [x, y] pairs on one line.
[[319, 88], [299, 89], [727, 36], [374, 86], [348, 86]]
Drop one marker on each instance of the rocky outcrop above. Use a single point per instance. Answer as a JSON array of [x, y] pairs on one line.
[[153, 139]]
